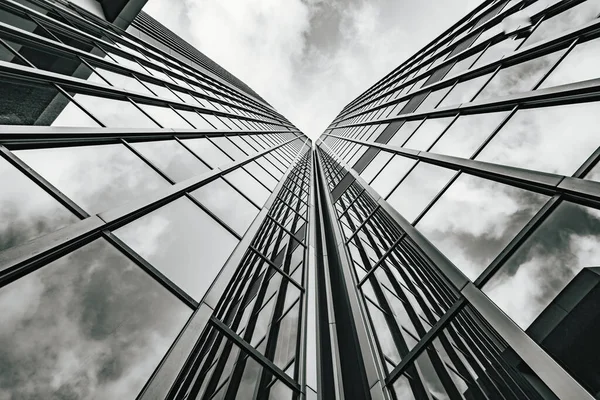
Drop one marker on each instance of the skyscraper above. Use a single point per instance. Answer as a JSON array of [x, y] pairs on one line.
[[167, 234]]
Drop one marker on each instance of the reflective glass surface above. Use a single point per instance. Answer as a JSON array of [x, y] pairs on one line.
[[393, 172], [427, 133], [26, 210], [115, 113], [208, 152], [97, 178], [248, 185], [475, 218], [520, 77], [407, 128], [26, 104], [171, 158], [165, 116], [579, 65], [550, 139], [565, 243], [227, 204], [463, 92], [90, 325], [570, 19], [467, 133], [419, 187], [375, 165], [183, 242]]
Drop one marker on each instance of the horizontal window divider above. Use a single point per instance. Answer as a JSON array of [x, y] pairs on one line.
[[301, 243], [381, 259], [425, 341], [18, 137], [275, 267], [362, 224], [254, 354]]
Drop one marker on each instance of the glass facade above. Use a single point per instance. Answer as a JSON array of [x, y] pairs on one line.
[[463, 189], [167, 234]]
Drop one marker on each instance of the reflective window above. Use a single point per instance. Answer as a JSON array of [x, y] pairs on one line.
[[183, 242], [162, 91], [172, 158], [115, 113], [427, 133], [564, 244], [433, 99], [567, 20], [579, 65], [462, 65], [195, 119], [165, 116], [91, 324], [551, 139], [407, 128], [208, 152], [497, 51], [226, 203], [467, 133], [375, 165], [26, 210], [248, 185], [126, 82], [475, 219], [520, 77], [419, 187], [463, 92], [97, 178], [389, 177], [27, 104], [228, 147], [261, 175]]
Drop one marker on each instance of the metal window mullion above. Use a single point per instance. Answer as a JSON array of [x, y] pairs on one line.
[[43, 183]]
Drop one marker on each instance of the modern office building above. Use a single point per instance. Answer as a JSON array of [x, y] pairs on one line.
[[167, 234]]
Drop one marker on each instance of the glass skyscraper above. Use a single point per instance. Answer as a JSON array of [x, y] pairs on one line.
[[167, 234]]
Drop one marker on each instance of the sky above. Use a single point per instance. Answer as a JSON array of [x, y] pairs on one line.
[[309, 58]]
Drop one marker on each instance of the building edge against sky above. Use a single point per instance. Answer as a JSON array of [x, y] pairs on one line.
[[166, 233]]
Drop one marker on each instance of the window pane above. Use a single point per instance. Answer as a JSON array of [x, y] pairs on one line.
[[389, 177], [226, 203], [208, 152], [567, 20], [419, 187], [497, 51], [27, 104], [261, 175], [433, 99], [115, 113], [172, 158], [195, 119], [26, 210], [475, 219], [95, 177], [579, 65], [427, 133], [563, 245], [228, 148], [248, 185], [551, 139], [407, 128], [126, 82], [91, 324], [520, 77], [464, 92], [376, 165], [165, 116], [182, 242], [467, 133]]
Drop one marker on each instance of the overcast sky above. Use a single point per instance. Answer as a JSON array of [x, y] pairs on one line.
[[309, 58]]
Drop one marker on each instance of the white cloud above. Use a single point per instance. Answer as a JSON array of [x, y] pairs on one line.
[[308, 58]]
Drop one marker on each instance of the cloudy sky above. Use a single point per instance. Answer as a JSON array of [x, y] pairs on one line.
[[308, 58]]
